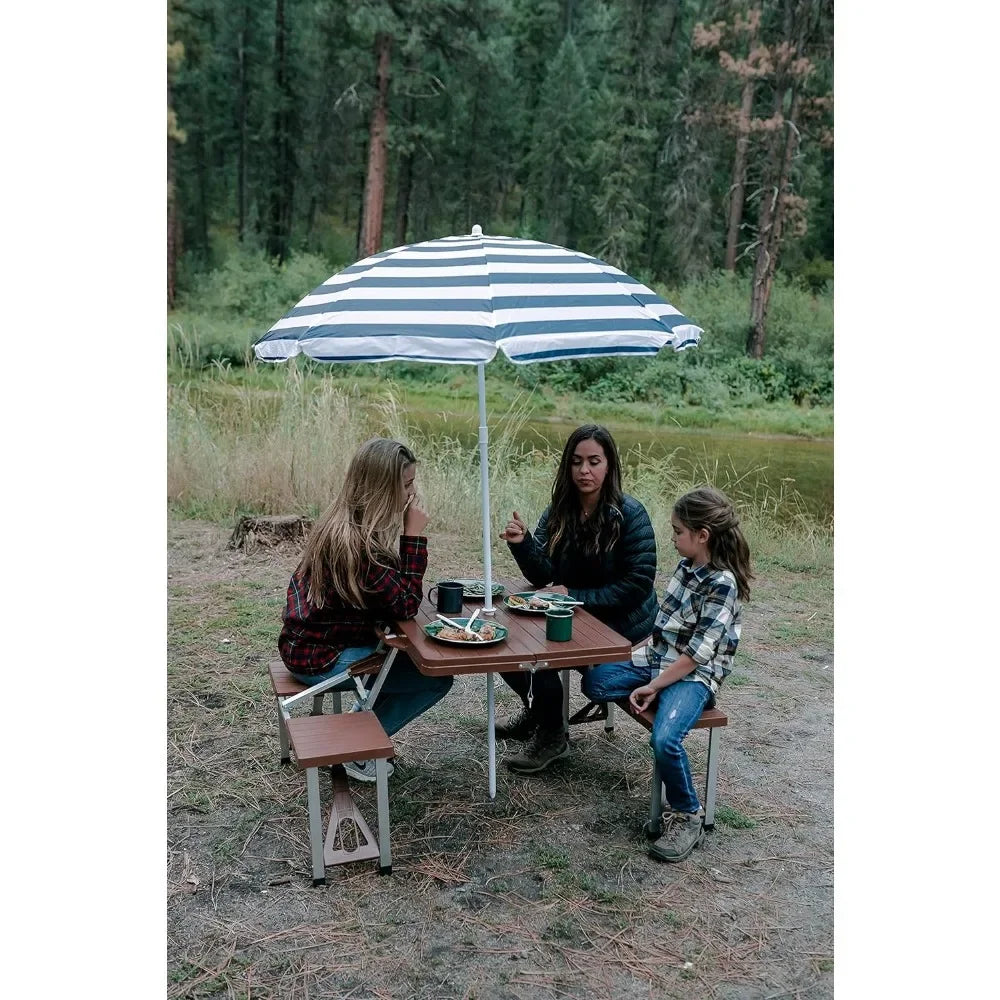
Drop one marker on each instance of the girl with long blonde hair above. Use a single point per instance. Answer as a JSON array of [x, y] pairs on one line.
[[364, 562]]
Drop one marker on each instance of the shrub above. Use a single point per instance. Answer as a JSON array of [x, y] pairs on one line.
[[817, 275], [250, 286]]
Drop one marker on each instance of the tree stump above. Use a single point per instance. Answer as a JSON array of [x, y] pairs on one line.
[[269, 531]]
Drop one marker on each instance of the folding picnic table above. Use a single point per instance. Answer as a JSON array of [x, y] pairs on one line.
[[526, 648]]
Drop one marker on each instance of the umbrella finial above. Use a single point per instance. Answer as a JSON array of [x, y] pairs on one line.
[[477, 230]]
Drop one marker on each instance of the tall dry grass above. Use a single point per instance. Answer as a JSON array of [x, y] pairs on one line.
[[235, 449]]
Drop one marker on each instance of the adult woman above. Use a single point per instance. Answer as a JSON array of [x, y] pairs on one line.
[[599, 543], [364, 562]]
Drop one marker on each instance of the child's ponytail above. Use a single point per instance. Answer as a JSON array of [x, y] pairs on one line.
[[709, 508]]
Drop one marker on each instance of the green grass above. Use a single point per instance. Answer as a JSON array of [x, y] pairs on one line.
[[733, 818], [551, 857]]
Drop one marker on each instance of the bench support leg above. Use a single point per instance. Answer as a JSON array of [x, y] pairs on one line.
[[710, 781], [564, 676], [283, 737], [655, 825], [338, 705], [317, 708], [382, 790], [315, 826], [609, 722]]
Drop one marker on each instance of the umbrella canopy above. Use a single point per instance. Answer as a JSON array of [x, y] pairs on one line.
[[460, 299]]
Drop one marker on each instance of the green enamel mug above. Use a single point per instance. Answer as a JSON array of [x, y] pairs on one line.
[[559, 624]]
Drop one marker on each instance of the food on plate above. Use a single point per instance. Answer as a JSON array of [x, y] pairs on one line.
[[454, 633], [482, 634], [534, 603]]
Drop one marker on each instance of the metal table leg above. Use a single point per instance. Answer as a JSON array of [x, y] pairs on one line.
[[491, 724]]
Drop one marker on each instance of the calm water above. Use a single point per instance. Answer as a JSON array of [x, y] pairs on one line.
[[803, 466]]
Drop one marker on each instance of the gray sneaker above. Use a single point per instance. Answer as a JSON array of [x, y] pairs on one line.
[[364, 770], [682, 833], [516, 727], [543, 748]]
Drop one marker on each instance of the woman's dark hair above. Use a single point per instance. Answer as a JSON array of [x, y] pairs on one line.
[[709, 508], [599, 532]]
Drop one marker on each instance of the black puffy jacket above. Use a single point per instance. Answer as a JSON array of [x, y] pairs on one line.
[[616, 587]]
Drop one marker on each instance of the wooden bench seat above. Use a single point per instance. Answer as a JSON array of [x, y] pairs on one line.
[[284, 685], [332, 740], [711, 719]]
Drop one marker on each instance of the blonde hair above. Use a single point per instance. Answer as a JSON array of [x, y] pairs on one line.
[[710, 508], [363, 523]]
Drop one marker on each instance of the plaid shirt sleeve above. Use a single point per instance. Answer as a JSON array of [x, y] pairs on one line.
[[715, 621], [700, 617], [397, 593]]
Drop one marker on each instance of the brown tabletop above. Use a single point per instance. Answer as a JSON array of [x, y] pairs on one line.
[[526, 645]]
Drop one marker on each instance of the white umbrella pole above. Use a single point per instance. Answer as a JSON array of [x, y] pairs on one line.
[[484, 476]]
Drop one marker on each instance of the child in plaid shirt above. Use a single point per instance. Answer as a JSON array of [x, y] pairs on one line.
[[689, 654]]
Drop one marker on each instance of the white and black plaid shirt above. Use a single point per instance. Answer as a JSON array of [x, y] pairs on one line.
[[700, 615]]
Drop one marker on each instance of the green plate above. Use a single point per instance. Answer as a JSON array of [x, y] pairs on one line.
[[432, 629], [476, 589], [527, 595]]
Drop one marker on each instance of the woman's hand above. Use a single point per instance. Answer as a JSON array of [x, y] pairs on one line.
[[414, 518], [642, 697], [515, 530]]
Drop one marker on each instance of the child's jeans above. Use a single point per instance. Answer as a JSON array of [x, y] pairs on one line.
[[677, 710], [405, 694]]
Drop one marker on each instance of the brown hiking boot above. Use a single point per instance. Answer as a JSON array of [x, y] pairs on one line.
[[682, 833], [544, 747], [516, 727]]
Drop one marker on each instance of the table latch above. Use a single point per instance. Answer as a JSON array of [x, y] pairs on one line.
[[532, 667]]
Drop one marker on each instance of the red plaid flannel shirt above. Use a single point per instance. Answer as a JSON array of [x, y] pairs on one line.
[[311, 638]]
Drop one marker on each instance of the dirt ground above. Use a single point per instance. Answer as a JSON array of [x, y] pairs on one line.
[[547, 891]]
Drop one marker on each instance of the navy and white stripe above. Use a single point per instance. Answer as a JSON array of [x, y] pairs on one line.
[[458, 300]]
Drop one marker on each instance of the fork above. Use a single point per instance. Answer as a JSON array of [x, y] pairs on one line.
[[461, 628]]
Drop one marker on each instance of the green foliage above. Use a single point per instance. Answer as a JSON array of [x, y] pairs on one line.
[[733, 818], [563, 121], [226, 310], [817, 274], [251, 287]]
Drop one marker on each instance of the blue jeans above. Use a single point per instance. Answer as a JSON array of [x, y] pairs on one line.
[[677, 710], [405, 694]]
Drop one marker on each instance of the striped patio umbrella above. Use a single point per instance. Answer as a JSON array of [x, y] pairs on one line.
[[460, 299]]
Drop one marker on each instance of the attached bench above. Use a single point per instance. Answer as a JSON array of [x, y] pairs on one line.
[[331, 740], [711, 719], [286, 686]]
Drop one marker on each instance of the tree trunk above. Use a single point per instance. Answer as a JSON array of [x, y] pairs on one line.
[[403, 198], [405, 186], [173, 232], [241, 162], [737, 191], [374, 196], [470, 161], [772, 216], [280, 216]]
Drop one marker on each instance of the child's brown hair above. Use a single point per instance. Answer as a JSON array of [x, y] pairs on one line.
[[707, 507]]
